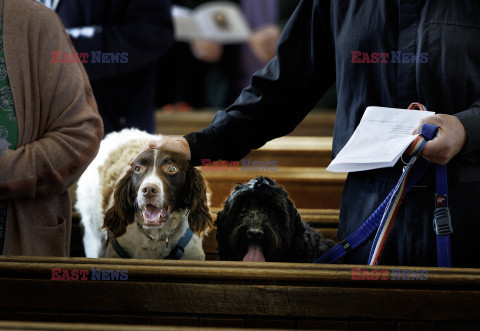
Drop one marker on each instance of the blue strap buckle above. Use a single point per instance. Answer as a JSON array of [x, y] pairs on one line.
[[442, 223]]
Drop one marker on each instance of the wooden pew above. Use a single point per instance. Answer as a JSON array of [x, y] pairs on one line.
[[295, 151], [308, 187], [235, 294], [42, 326], [324, 220], [318, 123]]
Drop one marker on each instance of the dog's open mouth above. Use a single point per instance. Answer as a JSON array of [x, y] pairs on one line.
[[155, 216], [254, 254]]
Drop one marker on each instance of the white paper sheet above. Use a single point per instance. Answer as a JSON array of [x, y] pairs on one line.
[[379, 140], [219, 21]]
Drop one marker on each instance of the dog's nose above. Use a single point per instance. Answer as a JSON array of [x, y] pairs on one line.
[[254, 234], [150, 190]]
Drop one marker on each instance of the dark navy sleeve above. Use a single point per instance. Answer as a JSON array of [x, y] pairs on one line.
[[470, 119], [280, 95], [144, 36]]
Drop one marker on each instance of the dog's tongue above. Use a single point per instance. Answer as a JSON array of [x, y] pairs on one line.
[[254, 254], [154, 216], [151, 212]]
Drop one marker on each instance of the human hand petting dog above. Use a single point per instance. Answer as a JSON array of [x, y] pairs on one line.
[[175, 144], [450, 139]]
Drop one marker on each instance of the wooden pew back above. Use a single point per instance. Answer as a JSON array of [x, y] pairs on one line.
[[316, 123], [251, 295], [313, 188]]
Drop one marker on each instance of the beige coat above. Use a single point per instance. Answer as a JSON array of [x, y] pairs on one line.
[[59, 130]]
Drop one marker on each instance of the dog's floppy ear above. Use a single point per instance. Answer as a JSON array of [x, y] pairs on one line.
[[294, 214], [199, 218], [122, 213]]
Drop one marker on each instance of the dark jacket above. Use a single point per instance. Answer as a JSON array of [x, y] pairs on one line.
[[316, 47], [140, 28]]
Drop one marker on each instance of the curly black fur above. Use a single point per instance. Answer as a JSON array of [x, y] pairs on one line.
[[262, 208]]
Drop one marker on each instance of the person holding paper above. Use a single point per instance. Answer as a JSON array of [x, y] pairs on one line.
[[49, 118], [206, 73], [315, 49], [247, 58]]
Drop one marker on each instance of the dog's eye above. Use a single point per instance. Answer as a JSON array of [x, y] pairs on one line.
[[172, 169], [138, 169]]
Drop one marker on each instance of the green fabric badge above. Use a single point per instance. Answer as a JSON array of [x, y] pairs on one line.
[[8, 117]]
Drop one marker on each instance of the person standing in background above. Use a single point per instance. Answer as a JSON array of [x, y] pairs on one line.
[[266, 19], [209, 74], [140, 31]]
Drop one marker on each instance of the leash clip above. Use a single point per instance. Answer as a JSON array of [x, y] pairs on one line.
[[442, 223]]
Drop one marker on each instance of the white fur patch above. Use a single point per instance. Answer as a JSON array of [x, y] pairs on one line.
[[89, 194], [152, 179]]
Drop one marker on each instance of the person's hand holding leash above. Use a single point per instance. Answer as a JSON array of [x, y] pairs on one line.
[[450, 139]]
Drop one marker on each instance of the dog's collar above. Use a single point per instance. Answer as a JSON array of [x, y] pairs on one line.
[[175, 254], [118, 249], [178, 251], [166, 238]]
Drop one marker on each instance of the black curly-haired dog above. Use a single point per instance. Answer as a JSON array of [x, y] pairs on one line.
[[260, 223]]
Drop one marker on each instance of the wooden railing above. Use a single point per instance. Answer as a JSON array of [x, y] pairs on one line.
[[42, 326], [250, 295]]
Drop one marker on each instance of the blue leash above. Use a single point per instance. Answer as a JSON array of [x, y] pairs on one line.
[[442, 223], [442, 219]]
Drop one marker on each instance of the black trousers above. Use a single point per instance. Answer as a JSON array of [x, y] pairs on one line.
[[412, 240]]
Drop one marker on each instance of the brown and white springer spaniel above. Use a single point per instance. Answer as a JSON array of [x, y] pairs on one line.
[[148, 211]]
